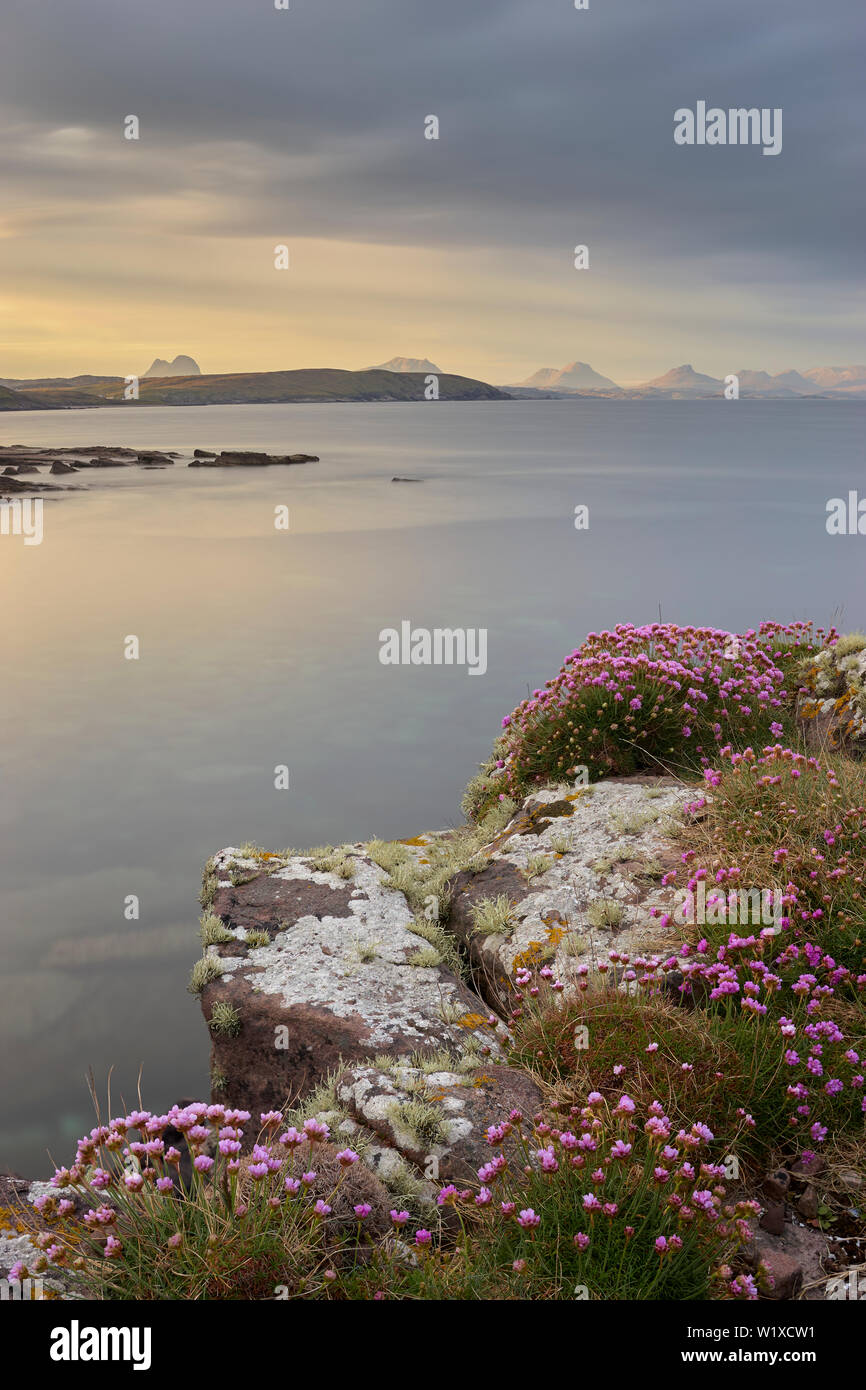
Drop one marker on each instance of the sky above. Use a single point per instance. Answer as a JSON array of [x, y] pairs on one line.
[[305, 127]]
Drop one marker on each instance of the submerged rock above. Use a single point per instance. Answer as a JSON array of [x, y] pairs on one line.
[[247, 459]]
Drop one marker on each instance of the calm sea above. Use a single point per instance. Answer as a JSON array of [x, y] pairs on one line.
[[260, 647]]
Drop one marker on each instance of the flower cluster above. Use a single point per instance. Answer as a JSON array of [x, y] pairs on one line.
[[177, 1186], [661, 691], [625, 1204]]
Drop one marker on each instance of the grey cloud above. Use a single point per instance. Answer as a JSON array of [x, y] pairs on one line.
[[556, 125]]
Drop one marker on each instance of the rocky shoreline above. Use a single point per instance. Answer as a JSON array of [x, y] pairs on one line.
[[380, 995], [322, 990], [20, 463], [320, 993]]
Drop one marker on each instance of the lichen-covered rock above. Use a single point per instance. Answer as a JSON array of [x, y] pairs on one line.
[[437, 1120], [832, 711], [16, 1243], [318, 971], [573, 875]]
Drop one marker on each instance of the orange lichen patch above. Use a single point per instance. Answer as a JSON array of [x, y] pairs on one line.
[[416, 840], [472, 1021], [530, 957], [10, 1222], [557, 927], [481, 1080], [575, 796]]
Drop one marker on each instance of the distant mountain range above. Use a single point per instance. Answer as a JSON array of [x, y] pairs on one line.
[[261, 388], [407, 364], [579, 379], [404, 379], [577, 376], [181, 366]]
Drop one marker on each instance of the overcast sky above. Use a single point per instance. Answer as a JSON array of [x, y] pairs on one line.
[[306, 127]]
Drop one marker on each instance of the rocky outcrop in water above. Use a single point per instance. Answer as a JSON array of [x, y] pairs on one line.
[[246, 459]]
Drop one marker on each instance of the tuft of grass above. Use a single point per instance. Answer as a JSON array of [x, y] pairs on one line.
[[225, 1020], [482, 792], [207, 968], [426, 958], [218, 1080], [493, 916], [631, 822], [604, 913], [238, 876], [497, 816], [651, 868], [440, 941], [575, 944], [422, 1119], [209, 885], [257, 938], [327, 860], [367, 951], [212, 931], [538, 865], [849, 644], [451, 1012], [388, 854], [607, 861]]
